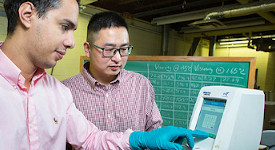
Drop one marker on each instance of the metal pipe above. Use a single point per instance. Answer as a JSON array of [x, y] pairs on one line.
[[240, 11]]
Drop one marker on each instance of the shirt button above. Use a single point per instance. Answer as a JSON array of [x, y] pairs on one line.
[[109, 116], [107, 95], [31, 126]]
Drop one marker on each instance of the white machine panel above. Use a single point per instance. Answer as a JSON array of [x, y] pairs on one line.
[[232, 116]]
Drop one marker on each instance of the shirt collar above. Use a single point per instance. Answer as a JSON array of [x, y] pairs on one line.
[[119, 76], [87, 75], [12, 73], [92, 80]]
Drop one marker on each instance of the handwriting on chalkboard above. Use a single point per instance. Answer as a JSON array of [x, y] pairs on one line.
[[220, 70], [177, 83], [208, 70]]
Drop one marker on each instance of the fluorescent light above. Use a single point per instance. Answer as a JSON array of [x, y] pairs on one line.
[[232, 46], [234, 42]]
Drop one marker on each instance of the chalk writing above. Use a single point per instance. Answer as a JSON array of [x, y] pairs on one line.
[[181, 84], [183, 77], [177, 84], [207, 70]]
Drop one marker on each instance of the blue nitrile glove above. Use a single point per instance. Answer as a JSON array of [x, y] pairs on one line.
[[169, 138]]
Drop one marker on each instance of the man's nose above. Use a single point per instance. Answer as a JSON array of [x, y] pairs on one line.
[[69, 41], [117, 56]]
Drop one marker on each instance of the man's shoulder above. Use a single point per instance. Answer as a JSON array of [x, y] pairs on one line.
[[74, 79], [57, 89], [53, 82]]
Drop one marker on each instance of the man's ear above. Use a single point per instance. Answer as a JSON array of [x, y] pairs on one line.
[[26, 11], [87, 49]]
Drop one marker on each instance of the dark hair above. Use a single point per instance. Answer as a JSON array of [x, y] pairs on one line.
[[104, 20], [42, 6]]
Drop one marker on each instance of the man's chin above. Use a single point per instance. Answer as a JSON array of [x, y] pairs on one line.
[[49, 66], [114, 73]]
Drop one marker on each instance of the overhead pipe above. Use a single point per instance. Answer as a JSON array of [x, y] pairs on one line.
[[241, 11], [200, 14]]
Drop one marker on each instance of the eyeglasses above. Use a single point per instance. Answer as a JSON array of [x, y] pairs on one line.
[[110, 52]]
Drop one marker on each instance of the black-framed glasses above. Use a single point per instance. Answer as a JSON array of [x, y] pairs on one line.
[[110, 52]]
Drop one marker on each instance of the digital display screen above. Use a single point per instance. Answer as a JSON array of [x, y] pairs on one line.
[[211, 116]]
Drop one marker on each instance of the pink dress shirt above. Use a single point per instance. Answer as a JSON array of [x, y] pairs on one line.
[[45, 117], [128, 101]]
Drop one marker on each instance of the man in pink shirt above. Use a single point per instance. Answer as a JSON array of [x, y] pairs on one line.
[[36, 110], [111, 97]]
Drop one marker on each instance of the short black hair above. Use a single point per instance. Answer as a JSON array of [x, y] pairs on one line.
[[42, 6], [103, 20]]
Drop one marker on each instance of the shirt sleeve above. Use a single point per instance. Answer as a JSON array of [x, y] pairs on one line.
[[82, 134], [154, 119]]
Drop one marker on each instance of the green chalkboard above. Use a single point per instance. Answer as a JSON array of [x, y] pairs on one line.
[[177, 80]]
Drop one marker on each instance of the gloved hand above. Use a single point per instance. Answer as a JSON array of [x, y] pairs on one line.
[[169, 138]]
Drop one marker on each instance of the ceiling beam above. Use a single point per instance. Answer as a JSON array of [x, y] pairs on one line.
[[86, 2], [125, 2], [157, 11], [233, 31], [154, 4], [90, 10], [266, 15], [176, 7], [228, 25]]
